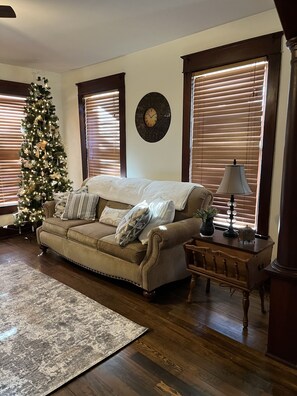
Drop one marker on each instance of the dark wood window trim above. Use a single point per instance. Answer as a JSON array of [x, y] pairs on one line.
[[116, 81], [268, 46], [14, 89]]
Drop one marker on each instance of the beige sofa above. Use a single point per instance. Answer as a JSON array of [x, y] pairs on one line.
[[92, 244]]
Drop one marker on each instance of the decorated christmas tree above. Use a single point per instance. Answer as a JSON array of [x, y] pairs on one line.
[[43, 159]]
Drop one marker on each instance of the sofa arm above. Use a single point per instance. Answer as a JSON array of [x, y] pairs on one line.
[[173, 234], [49, 208], [165, 258]]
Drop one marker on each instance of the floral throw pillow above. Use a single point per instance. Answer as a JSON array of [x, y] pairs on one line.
[[132, 224]]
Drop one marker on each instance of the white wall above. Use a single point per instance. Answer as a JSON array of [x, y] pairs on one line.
[[160, 69]]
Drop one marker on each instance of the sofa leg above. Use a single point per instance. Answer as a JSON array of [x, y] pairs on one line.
[[149, 295], [43, 249]]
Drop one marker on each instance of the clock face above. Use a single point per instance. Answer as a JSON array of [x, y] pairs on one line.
[[152, 117]]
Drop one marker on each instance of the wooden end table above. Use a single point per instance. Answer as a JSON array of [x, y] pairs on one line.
[[230, 262]]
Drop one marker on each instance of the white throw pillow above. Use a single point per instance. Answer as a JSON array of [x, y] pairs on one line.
[[162, 212], [112, 216], [132, 224]]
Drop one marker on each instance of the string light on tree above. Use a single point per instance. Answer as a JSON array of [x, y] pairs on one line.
[[42, 155]]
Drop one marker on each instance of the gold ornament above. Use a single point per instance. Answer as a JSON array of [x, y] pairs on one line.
[[38, 118], [31, 187], [55, 175], [27, 164], [40, 146]]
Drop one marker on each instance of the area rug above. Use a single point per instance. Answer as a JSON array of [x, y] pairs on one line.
[[50, 333]]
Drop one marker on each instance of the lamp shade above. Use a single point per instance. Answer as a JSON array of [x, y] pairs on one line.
[[234, 181]]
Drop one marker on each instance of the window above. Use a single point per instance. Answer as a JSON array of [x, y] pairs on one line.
[[227, 112], [102, 125], [12, 102], [230, 103]]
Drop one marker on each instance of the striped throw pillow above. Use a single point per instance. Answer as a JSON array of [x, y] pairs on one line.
[[80, 206], [60, 199]]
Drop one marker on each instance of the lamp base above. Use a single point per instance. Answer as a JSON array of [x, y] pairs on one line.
[[230, 233]]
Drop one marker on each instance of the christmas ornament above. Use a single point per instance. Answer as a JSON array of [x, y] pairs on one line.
[[40, 146], [37, 119]]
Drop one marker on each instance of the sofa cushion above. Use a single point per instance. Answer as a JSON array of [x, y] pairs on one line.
[[162, 212], [134, 252], [89, 234], [80, 206], [132, 224], [112, 216], [57, 226]]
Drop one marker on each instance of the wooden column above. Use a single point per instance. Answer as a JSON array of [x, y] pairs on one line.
[[282, 332]]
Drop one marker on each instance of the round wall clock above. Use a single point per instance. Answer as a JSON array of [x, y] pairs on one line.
[[152, 117]]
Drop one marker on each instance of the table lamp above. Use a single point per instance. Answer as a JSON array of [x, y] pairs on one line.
[[234, 183]]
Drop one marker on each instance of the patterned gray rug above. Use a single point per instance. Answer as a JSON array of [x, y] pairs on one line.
[[50, 333]]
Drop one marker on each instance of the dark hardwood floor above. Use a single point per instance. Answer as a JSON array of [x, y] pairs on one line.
[[190, 349]]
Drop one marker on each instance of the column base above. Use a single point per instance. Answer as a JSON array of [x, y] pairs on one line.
[[282, 340]]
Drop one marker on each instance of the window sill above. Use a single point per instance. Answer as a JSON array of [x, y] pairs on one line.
[[8, 209]]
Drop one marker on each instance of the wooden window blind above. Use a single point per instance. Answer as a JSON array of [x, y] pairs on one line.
[[11, 115], [268, 47], [103, 125], [103, 133], [227, 123]]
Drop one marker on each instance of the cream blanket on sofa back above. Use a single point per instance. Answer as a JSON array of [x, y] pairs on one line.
[[135, 190]]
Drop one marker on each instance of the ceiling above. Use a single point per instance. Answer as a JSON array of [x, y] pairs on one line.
[[61, 35]]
